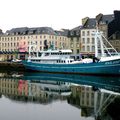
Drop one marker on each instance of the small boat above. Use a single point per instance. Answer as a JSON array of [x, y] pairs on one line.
[[105, 62]]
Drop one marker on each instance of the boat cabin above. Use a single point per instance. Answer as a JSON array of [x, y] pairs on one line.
[[51, 56]]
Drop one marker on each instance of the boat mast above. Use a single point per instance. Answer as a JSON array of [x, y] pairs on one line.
[[99, 45], [96, 40], [102, 45], [29, 49]]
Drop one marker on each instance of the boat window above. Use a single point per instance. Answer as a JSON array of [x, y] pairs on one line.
[[39, 54], [46, 54]]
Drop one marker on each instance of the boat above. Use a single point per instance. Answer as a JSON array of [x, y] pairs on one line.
[[105, 62]]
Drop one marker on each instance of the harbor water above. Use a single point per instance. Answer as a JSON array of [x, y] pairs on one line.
[[45, 96]]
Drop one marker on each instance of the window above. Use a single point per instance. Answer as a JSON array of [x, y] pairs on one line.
[[93, 48], [88, 40], [88, 48], [71, 45], [83, 33], [40, 48], [83, 40], [56, 43], [71, 39], [77, 39], [88, 33], [78, 45], [77, 51], [40, 42], [83, 48], [93, 40], [72, 50]]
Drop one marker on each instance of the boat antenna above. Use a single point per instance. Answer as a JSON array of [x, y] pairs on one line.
[[96, 40], [96, 26]]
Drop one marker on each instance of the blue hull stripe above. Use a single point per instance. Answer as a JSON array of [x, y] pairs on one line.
[[108, 67]]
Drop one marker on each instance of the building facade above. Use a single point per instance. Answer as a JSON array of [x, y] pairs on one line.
[[75, 41], [108, 24], [87, 37], [15, 42]]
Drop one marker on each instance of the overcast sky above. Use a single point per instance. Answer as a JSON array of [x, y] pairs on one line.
[[57, 14]]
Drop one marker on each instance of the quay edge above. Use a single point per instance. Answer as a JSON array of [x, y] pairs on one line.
[[14, 66]]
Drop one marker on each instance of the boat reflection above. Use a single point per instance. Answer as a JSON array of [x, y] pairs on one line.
[[97, 97], [102, 105], [105, 82]]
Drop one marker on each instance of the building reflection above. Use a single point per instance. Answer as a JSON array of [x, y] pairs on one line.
[[34, 91], [92, 100], [95, 103]]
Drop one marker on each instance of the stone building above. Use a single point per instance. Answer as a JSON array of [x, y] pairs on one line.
[[15, 42], [75, 41], [108, 24], [87, 38], [114, 31]]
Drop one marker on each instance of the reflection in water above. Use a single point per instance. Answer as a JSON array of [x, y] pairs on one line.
[[14, 87], [109, 83], [88, 93], [95, 103]]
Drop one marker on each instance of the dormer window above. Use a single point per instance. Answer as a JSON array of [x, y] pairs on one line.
[[77, 32], [72, 33]]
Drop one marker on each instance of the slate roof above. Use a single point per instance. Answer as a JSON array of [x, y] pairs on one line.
[[107, 18], [75, 32], [63, 32], [35, 30], [1, 32], [90, 24], [76, 28]]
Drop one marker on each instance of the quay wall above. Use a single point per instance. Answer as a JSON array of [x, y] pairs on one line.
[[14, 66]]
